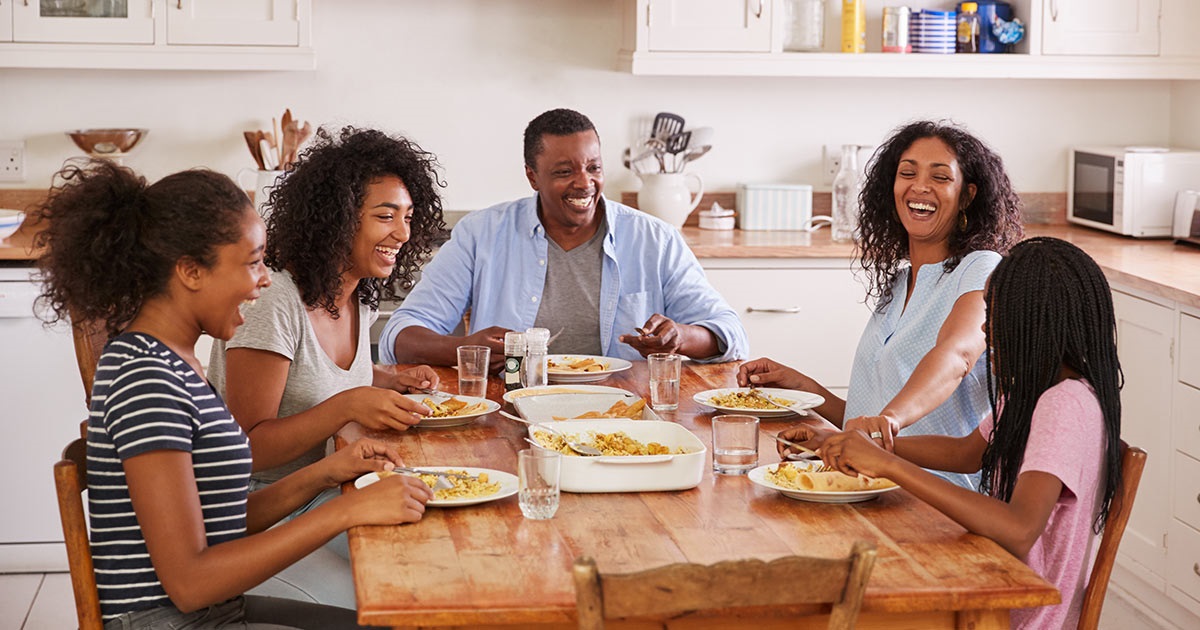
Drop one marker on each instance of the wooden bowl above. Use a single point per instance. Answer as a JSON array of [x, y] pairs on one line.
[[107, 141]]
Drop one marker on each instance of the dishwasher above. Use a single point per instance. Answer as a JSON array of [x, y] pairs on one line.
[[41, 405]]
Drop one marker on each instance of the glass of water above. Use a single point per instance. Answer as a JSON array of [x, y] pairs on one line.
[[473, 370], [735, 444], [537, 482], [664, 380]]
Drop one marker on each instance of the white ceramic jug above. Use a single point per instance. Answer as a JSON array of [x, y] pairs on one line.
[[264, 181], [666, 196]]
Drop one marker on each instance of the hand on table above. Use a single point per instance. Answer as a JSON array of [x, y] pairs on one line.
[[361, 457], [414, 379], [881, 428], [394, 499], [804, 434]]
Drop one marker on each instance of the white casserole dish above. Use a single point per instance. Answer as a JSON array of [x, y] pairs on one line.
[[632, 473]]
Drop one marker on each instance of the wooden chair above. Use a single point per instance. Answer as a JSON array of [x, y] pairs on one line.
[[1133, 460], [679, 589], [70, 480], [90, 337]]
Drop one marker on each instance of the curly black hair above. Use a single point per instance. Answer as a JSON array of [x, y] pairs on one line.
[[112, 242], [993, 216], [315, 213], [1048, 306], [556, 122]]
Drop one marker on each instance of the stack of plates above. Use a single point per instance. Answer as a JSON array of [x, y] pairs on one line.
[[932, 31]]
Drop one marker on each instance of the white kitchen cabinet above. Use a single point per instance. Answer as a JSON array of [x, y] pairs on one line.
[[84, 21], [234, 22], [707, 25], [1100, 27], [805, 313], [1145, 340], [6, 18], [1078, 39], [157, 34]]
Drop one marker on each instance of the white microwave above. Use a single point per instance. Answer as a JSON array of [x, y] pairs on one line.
[[1129, 190]]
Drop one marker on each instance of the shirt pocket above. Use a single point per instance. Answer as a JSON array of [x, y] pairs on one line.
[[633, 309]]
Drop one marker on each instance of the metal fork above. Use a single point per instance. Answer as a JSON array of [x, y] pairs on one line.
[[755, 392]]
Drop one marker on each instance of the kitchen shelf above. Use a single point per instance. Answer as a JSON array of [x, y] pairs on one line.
[[925, 66]]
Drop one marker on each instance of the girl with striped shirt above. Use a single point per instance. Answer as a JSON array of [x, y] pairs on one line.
[[177, 538]]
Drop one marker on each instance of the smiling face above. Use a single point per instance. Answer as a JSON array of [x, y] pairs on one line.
[[237, 277], [929, 191], [383, 227], [569, 178]]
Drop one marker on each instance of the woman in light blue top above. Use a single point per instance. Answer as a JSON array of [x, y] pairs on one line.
[[938, 211]]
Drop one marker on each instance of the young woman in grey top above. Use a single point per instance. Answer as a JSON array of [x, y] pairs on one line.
[[348, 225]]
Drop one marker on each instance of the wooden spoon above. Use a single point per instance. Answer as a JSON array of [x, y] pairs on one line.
[[252, 143]]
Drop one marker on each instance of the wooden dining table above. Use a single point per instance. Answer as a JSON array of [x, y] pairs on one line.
[[486, 566]]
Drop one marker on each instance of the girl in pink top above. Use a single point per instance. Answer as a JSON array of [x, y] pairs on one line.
[[1049, 453]]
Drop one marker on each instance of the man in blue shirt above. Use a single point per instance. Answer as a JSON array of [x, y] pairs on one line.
[[604, 278]]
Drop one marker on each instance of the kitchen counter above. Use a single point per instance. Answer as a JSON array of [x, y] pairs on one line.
[[1156, 266]]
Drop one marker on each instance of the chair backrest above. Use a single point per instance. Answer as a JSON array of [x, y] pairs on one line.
[[673, 590], [70, 480], [90, 337], [1133, 460]]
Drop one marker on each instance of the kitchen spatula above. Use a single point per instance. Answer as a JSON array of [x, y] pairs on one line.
[[665, 125]]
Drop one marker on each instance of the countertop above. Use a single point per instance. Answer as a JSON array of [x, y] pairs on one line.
[[1156, 266]]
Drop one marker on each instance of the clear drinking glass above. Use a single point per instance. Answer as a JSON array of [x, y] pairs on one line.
[[664, 380], [735, 444], [473, 370], [537, 482]]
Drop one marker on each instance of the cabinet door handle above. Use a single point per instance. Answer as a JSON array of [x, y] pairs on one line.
[[758, 13], [1196, 568], [792, 309], [1053, 10]]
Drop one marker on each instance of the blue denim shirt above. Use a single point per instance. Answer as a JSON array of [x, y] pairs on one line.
[[495, 264]]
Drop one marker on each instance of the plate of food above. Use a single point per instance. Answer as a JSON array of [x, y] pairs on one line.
[[767, 402], [582, 368], [452, 411], [475, 485], [545, 390], [807, 481]]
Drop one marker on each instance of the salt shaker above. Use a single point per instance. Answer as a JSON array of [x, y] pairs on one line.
[[514, 356], [536, 342]]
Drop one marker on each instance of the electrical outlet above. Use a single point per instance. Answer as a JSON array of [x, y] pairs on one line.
[[831, 160], [12, 161]]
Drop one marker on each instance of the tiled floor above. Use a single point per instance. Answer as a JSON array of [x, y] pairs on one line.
[[33, 601]]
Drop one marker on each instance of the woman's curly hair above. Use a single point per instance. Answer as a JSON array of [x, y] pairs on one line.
[[315, 213], [993, 216], [112, 242]]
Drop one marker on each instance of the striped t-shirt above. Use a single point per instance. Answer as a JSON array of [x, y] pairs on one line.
[[146, 398]]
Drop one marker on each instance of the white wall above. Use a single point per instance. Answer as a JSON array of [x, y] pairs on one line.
[[1185, 114], [463, 77]]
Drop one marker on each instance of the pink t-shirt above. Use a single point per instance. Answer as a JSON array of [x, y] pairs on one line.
[[1066, 439]]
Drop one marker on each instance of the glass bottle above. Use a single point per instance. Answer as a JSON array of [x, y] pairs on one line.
[[514, 356], [536, 340], [967, 40], [805, 20], [846, 186]]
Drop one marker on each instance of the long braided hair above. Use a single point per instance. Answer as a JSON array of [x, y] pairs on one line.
[[1048, 306]]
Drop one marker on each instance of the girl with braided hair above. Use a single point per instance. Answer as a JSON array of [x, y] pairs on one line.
[[1050, 450]]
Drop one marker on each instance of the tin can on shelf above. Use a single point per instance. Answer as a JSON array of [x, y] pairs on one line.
[[895, 30]]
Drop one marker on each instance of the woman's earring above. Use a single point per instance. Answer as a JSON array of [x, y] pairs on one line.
[[962, 221]]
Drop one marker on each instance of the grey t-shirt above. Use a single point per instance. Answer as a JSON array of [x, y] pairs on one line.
[[571, 297], [278, 322]]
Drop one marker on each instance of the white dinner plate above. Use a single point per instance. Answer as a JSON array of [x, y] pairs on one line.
[[801, 400], [611, 366], [543, 390], [759, 477], [453, 421], [507, 481]]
